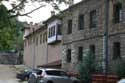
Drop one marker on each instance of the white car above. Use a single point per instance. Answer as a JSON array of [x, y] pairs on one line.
[[121, 81], [51, 76]]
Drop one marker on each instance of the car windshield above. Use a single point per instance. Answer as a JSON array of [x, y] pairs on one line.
[[56, 73], [38, 72]]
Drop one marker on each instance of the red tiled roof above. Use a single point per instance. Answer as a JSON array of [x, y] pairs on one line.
[[52, 64]]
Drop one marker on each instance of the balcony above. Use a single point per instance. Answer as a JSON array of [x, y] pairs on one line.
[[54, 34]]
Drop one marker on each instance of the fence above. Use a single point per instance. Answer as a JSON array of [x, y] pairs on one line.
[[100, 78]]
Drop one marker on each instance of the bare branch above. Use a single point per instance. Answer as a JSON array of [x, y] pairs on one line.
[[16, 6], [26, 14]]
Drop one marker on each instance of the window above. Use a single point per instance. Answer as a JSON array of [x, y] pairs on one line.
[[36, 40], [69, 55], [38, 72], [116, 50], [41, 39], [59, 29], [80, 53], [44, 37], [92, 50], [93, 19], [81, 22], [69, 31], [56, 73], [117, 12], [51, 31]]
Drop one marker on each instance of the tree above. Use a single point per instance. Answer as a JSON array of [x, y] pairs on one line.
[[18, 6], [8, 21], [8, 30], [8, 36], [87, 67]]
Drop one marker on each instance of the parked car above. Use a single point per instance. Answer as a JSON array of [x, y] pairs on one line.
[[24, 74], [51, 76]]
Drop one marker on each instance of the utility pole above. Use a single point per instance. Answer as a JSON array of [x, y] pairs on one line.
[[16, 41], [105, 37]]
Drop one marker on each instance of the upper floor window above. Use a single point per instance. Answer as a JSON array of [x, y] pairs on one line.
[[81, 22], [80, 53], [69, 31], [40, 38], [59, 32], [36, 40], [68, 55], [44, 37], [117, 12], [93, 19], [52, 31], [116, 50]]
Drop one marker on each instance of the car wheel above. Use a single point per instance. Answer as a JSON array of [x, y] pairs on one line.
[[33, 78], [75, 82], [26, 78], [50, 82]]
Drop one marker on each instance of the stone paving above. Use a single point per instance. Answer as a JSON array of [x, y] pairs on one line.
[[8, 74]]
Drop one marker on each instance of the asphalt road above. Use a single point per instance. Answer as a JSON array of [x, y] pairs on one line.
[[8, 74]]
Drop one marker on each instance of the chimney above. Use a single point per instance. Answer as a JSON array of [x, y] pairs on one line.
[[52, 13], [71, 2]]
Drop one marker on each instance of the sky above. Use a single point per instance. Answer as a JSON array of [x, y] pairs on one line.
[[40, 15]]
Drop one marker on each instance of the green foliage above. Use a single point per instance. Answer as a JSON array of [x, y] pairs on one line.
[[8, 23], [3, 16], [119, 66], [8, 30], [87, 67]]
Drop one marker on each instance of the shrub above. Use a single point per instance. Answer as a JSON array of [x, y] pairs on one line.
[[87, 67], [119, 67]]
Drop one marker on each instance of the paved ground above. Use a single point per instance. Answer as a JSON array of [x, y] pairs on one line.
[[8, 74]]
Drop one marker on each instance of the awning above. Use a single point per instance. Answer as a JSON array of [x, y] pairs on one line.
[[52, 64]]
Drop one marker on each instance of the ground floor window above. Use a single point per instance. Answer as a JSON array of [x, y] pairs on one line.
[[68, 55], [92, 50], [116, 50], [80, 53]]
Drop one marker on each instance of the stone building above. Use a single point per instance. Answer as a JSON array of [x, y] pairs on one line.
[[35, 44], [83, 29], [42, 44]]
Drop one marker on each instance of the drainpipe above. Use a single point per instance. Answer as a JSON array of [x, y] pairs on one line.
[[47, 53], [47, 45], [105, 37]]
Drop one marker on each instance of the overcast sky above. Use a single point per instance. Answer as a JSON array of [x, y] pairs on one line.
[[41, 14]]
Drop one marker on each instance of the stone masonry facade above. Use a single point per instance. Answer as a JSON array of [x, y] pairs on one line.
[[91, 36]]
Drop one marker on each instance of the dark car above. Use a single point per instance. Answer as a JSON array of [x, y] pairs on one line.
[[24, 74]]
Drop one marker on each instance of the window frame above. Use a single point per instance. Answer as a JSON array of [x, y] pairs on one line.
[[92, 49], [81, 22], [93, 19], [116, 50], [69, 30], [68, 55], [80, 53], [117, 12]]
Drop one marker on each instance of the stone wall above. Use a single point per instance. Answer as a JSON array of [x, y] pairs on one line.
[[87, 36], [7, 58]]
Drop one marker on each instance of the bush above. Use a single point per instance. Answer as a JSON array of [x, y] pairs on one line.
[[87, 67], [119, 67]]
